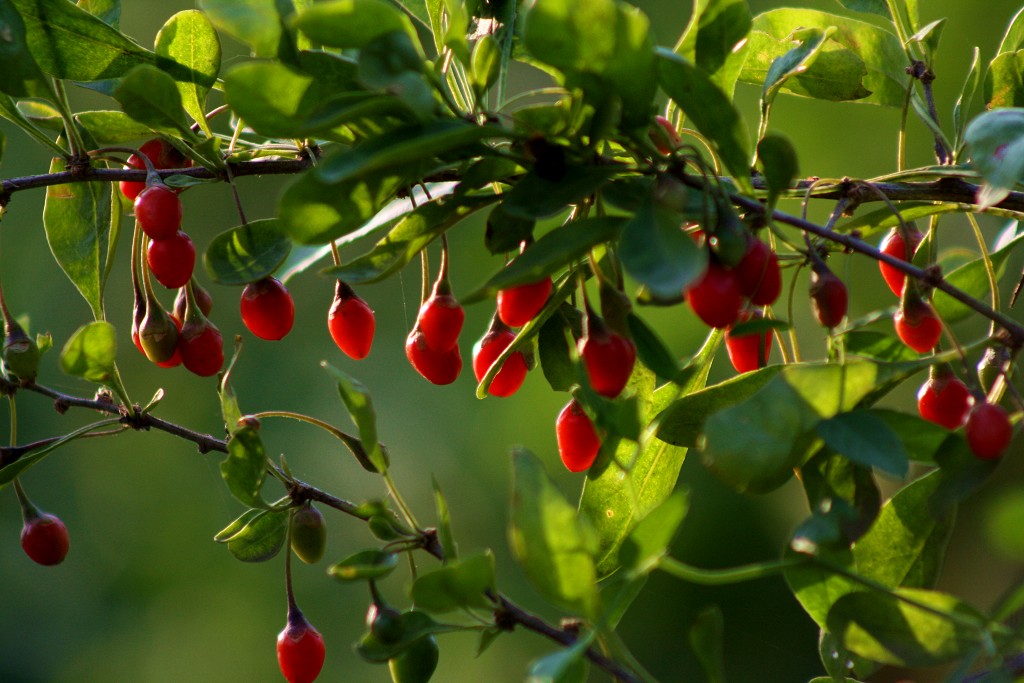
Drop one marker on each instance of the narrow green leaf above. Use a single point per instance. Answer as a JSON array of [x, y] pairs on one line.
[[246, 253], [190, 39], [445, 534], [9, 472], [549, 541], [22, 75], [261, 538], [650, 539], [1013, 39], [794, 62], [713, 33], [706, 638], [90, 353], [239, 523], [459, 584], [245, 467], [364, 565], [150, 96], [920, 438], [352, 23], [556, 343], [360, 408], [972, 278], [658, 254], [964, 102], [865, 439]]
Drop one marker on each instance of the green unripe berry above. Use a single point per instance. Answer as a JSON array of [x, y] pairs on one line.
[[20, 353], [308, 534], [416, 664]]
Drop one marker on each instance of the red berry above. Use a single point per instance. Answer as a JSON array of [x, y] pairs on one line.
[[521, 304], [350, 322], [758, 273], [828, 297], [513, 371], [608, 358], [45, 539], [749, 351], [440, 319], [172, 260], [917, 325], [158, 211], [665, 137], [438, 367], [300, 650], [894, 245], [202, 297], [988, 430], [578, 442], [944, 400], [716, 297], [161, 154], [267, 309], [202, 348]]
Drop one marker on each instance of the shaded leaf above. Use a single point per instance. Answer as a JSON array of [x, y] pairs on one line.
[[190, 39], [706, 636], [365, 565], [261, 538], [778, 163], [245, 467], [657, 253], [263, 25], [352, 23], [360, 407], [413, 625], [536, 197], [459, 584], [865, 439], [972, 278], [90, 353], [651, 537], [246, 253], [22, 75], [150, 96]]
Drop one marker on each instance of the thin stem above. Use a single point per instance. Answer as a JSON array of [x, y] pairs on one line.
[[410, 518], [350, 441], [990, 271], [75, 142], [723, 577]]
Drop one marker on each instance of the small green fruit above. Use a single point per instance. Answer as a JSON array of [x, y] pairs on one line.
[[416, 664], [308, 534]]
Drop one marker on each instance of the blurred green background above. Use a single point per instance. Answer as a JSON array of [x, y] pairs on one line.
[[145, 595]]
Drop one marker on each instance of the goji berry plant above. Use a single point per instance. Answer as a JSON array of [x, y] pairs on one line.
[[622, 227]]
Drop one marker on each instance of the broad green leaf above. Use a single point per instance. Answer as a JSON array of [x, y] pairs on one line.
[[76, 217], [190, 39], [112, 127], [650, 539], [246, 253], [794, 62], [22, 76], [550, 254], [10, 111], [90, 353], [364, 565], [550, 542], [878, 346], [261, 538], [817, 588], [535, 197], [263, 25], [107, 11], [459, 584], [445, 536], [865, 439], [995, 140], [150, 96], [1003, 85], [778, 160], [412, 626], [972, 278], [843, 497], [920, 438], [838, 77], [360, 407], [9, 471], [68, 42], [909, 628], [879, 7], [410, 236], [658, 254], [711, 37], [568, 665], [962, 474], [840, 662], [712, 113], [352, 23], [245, 467]]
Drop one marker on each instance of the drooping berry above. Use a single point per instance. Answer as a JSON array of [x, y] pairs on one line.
[[158, 211], [161, 154], [267, 309], [758, 273], [748, 351], [917, 324], [172, 260], [203, 299], [829, 298], [417, 663], [988, 430], [300, 649], [716, 297], [158, 336], [896, 246], [440, 319], [437, 367], [44, 538], [201, 347], [351, 322], [664, 135], [520, 304], [944, 400], [308, 533], [607, 356], [487, 349], [578, 441]]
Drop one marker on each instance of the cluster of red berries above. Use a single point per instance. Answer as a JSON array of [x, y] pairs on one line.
[[916, 322], [721, 293], [945, 400]]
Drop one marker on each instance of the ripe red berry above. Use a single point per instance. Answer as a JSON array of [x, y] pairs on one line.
[[45, 539], [748, 351], [578, 442], [716, 297], [829, 298], [161, 154], [894, 245], [521, 304], [758, 273], [944, 400], [300, 650], [513, 371], [438, 367], [158, 211], [201, 346], [350, 322], [440, 319], [608, 358], [917, 325], [172, 260], [267, 309], [988, 430]]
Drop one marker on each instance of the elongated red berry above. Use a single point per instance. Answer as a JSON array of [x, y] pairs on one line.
[[172, 260], [440, 319], [158, 211], [917, 325], [607, 356], [161, 154], [988, 430], [894, 245], [520, 304], [664, 135], [716, 297], [829, 298], [44, 538], [203, 299], [758, 273], [300, 650], [201, 347], [944, 400], [351, 322], [513, 370], [437, 367], [267, 309], [578, 441], [748, 351]]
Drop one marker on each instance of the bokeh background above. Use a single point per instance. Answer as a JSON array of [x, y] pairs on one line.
[[146, 596]]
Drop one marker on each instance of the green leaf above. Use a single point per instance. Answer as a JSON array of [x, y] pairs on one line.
[[412, 626], [112, 127], [879, 7], [874, 222], [246, 253], [712, 35], [650, 539], [650, 349], [1003, 86], [261, 538], [22, 76], [794, 62], [706, 638], [459, 584], [69, 42], [245, 467], [995, 140], [107, 11], [778, 163], [360, 408], [10, 471], [365, 565], [865, 439], [658, 254], [556, 344], [150, 96], [263, 25], [229, 409], [568, 665], [76, 217], [190, 39], [352, 23], [550, 254], [972, 278], [909, 628], [549, 541], [90, 353], [965, 100], [231, 530], [444, 524], [712, 113], [920, 438], [536, 197], [485, 65]]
